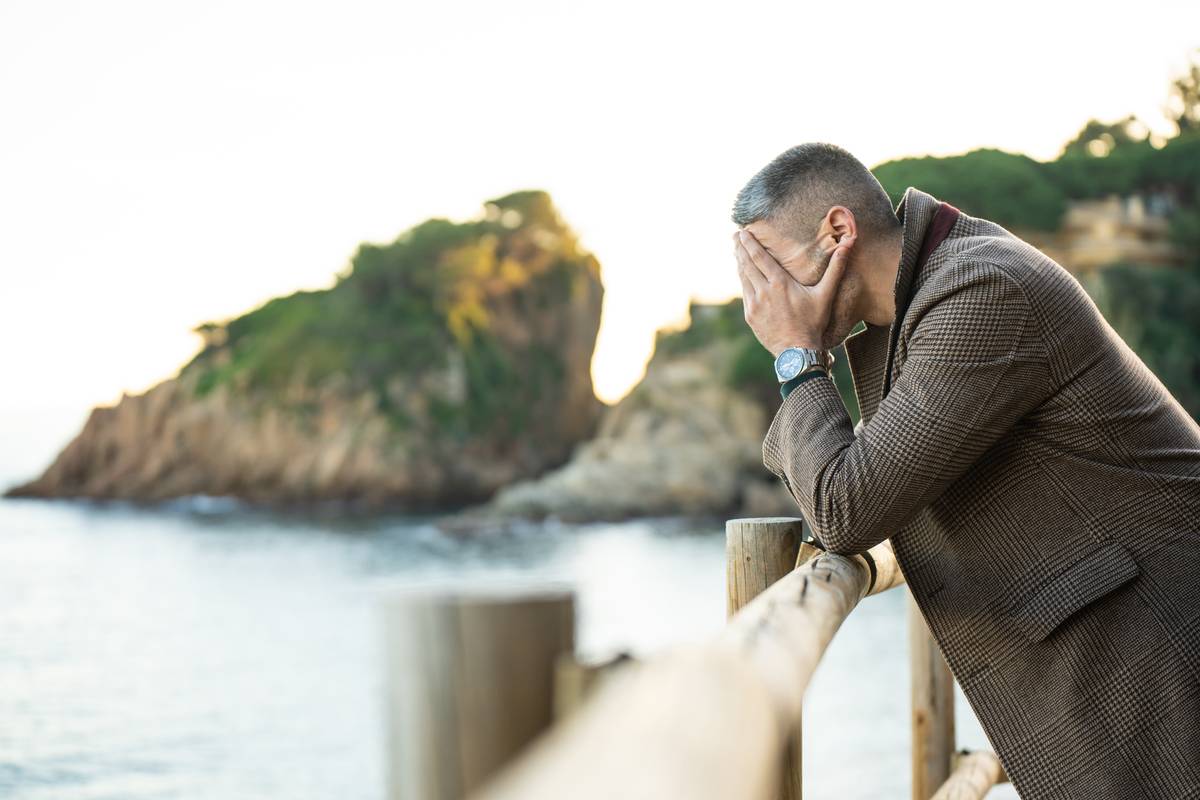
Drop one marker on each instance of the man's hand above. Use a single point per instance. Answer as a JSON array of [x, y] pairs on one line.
[[780, 310]]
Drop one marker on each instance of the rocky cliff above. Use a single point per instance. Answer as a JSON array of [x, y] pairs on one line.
[[439, 368], [686, 440]]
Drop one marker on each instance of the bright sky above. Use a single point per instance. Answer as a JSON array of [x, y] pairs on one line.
[[167, 163]]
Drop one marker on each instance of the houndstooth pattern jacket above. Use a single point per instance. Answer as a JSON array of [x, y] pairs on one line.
[[1041, 489]]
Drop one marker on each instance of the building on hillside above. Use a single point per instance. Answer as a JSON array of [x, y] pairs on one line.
[[1115, 230]]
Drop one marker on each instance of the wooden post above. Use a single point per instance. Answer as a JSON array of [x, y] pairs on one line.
[[758, 552], [975, 773], [932, 707], [470, 679]]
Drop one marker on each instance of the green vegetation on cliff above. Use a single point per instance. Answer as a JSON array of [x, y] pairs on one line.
[[1018, 192], [1013, 190], [1119, 158], [457, 298]]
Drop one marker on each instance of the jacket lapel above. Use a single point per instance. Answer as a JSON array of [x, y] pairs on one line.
[[867, 351]]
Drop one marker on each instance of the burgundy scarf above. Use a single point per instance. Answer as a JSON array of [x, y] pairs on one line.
[[939, 228]]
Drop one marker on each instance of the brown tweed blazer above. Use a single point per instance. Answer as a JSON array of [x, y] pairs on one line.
[[1041, 489]]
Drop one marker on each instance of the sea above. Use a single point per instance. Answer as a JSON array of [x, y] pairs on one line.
[[207, 649]]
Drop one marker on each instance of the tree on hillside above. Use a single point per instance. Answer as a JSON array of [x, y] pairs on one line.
[[1183, 107], [1009, 188], [1098, 139]]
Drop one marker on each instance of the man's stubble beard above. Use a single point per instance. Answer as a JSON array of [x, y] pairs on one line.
[[844, 316]]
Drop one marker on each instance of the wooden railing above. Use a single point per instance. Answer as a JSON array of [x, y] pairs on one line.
[[472, 694]]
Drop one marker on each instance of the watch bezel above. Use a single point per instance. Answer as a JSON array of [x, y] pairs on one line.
[[812, 359]]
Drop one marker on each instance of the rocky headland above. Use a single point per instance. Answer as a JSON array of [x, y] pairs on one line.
[[439, 368]]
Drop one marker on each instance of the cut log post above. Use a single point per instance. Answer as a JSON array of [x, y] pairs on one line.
[[708, 722], [758, 552], [470, 679], [932, 707], [975, 773]]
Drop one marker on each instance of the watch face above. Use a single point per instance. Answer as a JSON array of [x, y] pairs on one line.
[[789, 364]]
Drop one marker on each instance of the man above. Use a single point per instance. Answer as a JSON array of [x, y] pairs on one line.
[[1041, 488]]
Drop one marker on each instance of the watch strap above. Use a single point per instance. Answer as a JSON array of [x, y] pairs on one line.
[[786, 387]]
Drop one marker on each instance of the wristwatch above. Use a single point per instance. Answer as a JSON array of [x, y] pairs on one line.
[[798, 360]]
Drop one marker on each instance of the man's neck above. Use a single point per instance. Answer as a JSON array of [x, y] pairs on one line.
[[879, 295]]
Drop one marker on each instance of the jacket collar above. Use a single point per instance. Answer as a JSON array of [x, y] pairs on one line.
[[867, 350]]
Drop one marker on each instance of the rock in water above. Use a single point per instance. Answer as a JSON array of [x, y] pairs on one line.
[[687, 439], [439, 368]]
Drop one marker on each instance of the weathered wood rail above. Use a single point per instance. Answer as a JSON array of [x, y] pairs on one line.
[[721, 720]]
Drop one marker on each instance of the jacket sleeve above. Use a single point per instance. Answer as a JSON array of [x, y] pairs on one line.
[[974, 367]]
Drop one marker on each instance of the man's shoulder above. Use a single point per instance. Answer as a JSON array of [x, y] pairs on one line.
[[980, 271], [974, 309], [979, 242], [988, 276], [980, 251]]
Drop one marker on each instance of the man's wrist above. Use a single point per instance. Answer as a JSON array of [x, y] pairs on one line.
[[801, 345]]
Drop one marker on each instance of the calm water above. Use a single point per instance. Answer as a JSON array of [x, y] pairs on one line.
[[205, 650]]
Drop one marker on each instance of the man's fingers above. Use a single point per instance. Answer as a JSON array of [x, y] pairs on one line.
[[836, 269], [765, 262], [747, 287], [747, 270]]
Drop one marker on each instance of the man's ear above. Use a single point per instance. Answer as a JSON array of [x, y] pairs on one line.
[[838, 223]]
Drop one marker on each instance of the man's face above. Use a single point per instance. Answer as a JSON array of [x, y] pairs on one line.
[[807, 263]]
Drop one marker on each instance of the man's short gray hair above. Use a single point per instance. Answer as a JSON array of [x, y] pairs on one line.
[[801, 184]]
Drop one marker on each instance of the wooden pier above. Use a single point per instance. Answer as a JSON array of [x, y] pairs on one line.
[[486, 700]]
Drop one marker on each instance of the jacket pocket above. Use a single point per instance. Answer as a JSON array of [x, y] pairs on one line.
[[1086, 580]]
